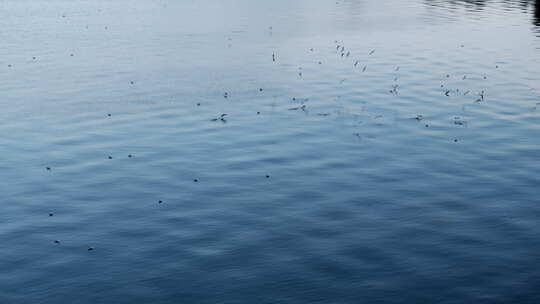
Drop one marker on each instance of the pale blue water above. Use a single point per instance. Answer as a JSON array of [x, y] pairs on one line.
[[380, 188]]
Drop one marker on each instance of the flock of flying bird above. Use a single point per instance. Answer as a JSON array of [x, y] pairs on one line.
[[344, 53], [341, 52]]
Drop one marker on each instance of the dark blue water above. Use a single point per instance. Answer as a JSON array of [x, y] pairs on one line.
[[402, 168]]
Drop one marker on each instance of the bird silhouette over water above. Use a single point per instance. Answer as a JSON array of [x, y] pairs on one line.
[[221, 117], [303, 108]]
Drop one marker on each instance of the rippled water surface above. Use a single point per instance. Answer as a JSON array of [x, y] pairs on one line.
[[371, 151]]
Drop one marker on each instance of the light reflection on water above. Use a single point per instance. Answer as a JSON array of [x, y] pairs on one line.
[[402, 168]]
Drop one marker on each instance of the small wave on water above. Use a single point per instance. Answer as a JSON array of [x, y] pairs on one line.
[[269, 151]]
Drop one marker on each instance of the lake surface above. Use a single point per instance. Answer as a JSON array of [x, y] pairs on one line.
[[371, 151]]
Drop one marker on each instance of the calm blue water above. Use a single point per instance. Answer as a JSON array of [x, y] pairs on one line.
[[402, 168]]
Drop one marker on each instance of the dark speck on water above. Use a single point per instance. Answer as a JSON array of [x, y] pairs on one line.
[[426, 194]]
